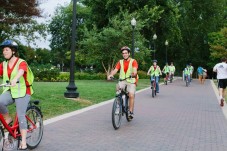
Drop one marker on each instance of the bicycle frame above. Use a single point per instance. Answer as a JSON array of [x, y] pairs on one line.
[[13, 130]]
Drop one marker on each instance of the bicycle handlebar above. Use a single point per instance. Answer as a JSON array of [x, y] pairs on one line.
[[112, 78], [7, 84]]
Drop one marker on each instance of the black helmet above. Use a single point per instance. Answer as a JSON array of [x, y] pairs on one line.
[[125, 48], [155, 61], [9, 43]]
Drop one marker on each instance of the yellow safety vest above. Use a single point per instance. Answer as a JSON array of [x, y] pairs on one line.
[[155, 72], [20, 89], [124, 75]]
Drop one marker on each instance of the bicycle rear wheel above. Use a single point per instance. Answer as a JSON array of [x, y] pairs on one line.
[[35, 127], [116, 113]]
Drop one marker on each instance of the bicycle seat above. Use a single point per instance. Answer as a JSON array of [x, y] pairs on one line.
[[36, 102]]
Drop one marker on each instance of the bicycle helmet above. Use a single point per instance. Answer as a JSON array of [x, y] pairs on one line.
[[155, 61], [125, 48], [9, 43]]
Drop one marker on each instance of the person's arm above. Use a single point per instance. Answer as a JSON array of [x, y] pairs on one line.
[[215, 68], [160, 72], [113, 72], [17, 77], [134, 68], [22, 70], [148, 72]]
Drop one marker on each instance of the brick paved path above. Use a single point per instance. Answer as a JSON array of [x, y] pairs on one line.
[[179, 119]]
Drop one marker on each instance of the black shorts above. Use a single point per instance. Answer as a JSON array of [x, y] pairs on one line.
[[222, 83]]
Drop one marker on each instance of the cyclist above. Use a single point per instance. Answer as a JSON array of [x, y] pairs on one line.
[[172, 69], [15, 69], [191, 70], [221, 69], [128, 67], [154, 71], [166, 70], [187, 72]]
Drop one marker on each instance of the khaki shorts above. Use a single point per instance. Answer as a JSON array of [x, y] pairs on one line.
[[131, 88]]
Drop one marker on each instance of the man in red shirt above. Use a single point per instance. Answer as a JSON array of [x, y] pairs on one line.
[[128, 67]]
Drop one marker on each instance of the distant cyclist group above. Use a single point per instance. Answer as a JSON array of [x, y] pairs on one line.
[[128, 79]]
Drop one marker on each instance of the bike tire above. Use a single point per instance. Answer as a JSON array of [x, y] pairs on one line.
[[117, 113], [2, 135], [153, 92], [127, 109], [34, 136]]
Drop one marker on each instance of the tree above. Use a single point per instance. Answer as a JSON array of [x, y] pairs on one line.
[[218, 46], [17, 19], [61, 29]]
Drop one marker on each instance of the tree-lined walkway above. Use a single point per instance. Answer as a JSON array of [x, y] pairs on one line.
[[179, 119]]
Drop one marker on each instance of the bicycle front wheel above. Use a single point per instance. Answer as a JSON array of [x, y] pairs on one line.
[[35, 127], [116, 113], [2, 135]]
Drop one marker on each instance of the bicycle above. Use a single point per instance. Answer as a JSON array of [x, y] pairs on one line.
[[186, 80], [153, 86], [166, 78], [120, 106], [171, 78], [34, 128]]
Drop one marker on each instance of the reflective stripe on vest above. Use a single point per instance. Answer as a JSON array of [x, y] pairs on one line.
[[155, 72], [20, 89], [124, 75]]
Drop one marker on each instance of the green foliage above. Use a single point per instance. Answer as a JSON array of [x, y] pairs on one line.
[[218, 46], [45, 72]]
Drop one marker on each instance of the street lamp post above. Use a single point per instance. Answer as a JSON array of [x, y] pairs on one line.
[[133, 23], [154, 38], [71, 88], [166, 43]]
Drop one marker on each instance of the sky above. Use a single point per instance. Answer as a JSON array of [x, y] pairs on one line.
[[48, 8]]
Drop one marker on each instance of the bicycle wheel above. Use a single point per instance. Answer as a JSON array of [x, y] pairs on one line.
[[35, 127], [2, 135], [153, 91], [127, 109], [116, 113]]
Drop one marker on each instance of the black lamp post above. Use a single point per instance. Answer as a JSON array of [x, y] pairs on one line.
[[166, 43], [71, 88], [133, 23], [154, 38]]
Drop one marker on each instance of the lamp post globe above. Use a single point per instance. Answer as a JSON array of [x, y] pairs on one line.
[[154, 38], [166, 43], [133, 23]]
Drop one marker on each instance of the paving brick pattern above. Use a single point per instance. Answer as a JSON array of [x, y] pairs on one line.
[[179, 119]]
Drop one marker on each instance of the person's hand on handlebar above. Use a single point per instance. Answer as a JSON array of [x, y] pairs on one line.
[[110, 77], [13, 82]]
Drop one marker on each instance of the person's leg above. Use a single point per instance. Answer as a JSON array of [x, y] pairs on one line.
[[131, 89], [21, 106], [5, 100], [157, 84], [152, 78], [200, 79]]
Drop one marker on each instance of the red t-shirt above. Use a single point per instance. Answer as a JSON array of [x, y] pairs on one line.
[[23, 66]]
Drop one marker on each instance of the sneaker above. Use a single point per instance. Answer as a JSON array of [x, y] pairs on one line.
[[131, 115], [157, 91], [151, 87], [222, 102]]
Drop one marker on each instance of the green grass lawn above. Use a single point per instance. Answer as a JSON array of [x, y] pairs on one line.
[[53, 102]]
